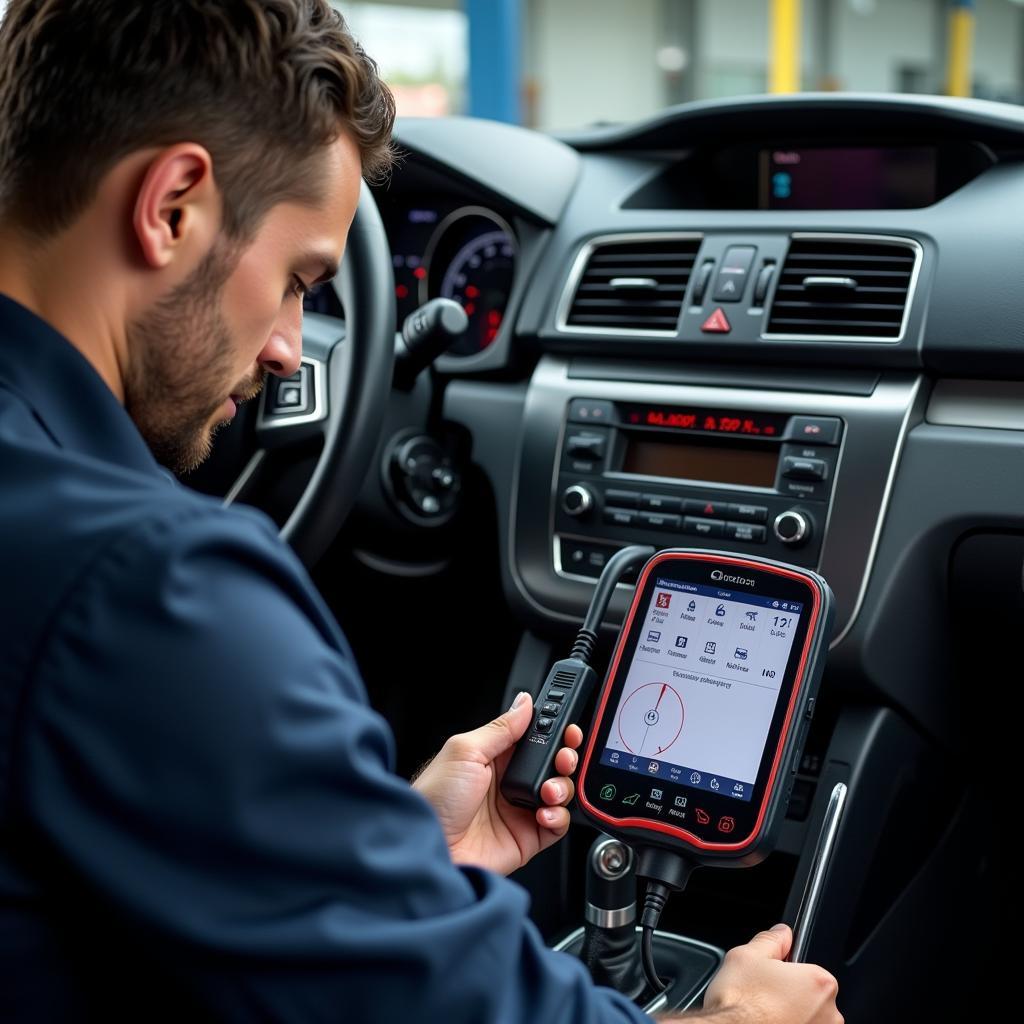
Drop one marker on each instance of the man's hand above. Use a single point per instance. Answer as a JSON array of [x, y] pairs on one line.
[[481, 826], [755, 986]]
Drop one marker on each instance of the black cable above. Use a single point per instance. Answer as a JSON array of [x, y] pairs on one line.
[[666, 873], [654, 903], [647, 961], [617, 566]]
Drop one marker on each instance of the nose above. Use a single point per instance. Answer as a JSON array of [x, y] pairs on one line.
[[283, 350]]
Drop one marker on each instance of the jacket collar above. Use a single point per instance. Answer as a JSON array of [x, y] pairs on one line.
[[68, 397]]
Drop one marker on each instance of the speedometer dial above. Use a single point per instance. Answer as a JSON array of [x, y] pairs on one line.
[[471, 259]]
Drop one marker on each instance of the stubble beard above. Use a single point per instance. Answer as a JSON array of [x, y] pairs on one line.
[[180, 367]]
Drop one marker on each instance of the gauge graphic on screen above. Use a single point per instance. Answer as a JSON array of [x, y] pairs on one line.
[[651, 719], [471, 259]]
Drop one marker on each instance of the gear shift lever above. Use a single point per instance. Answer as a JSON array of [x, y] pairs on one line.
[[611, 949]]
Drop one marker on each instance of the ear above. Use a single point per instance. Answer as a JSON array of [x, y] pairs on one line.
[[177, 207]]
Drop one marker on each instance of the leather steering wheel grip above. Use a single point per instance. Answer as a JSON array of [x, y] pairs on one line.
[[358, 383]]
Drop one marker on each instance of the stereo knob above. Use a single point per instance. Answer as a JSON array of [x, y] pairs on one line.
[[792, 527], [578, 500]]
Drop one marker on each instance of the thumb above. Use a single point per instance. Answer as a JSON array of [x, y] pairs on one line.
[[773, 944], [494, 738]]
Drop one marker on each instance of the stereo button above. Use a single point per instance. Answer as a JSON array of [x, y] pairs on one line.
[[703, 527], [814, 429], [746, 531], [706, 509], [661, 503], [591, 410], [577, 500], [794, 468], [623, 499], [619, 517], [749, 513], [586, 446], [661, 522]]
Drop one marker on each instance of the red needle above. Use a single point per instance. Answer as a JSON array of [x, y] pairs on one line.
[[664, 687]]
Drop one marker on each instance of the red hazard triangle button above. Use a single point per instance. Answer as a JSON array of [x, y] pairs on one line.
[[716, 323]]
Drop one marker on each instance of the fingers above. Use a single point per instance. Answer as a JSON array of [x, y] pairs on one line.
[[554, 820], [494, 738], [557, 792], [566, 761], [573, 736], [774, 943]]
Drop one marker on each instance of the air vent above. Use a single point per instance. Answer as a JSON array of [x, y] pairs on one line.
[[634, 286], [843, 288]]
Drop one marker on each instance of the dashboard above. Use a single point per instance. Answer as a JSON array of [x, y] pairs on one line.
[[781, 326], [445, 247]]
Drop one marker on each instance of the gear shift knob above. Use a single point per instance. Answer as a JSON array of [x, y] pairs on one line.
[[611, 948]]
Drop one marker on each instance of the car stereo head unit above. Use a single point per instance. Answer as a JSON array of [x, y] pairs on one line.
[[757, 482], [706, 705]]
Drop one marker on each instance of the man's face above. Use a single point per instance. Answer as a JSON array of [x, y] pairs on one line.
[[209, 344]]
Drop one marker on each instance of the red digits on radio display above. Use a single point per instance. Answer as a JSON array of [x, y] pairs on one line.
[[701, 420]]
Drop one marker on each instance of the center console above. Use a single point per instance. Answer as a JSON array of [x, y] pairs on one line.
[[795, 469]]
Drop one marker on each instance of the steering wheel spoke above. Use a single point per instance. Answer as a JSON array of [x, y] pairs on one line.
[[296, 409]]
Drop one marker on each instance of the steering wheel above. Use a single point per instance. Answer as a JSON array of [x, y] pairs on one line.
[[340, 392]]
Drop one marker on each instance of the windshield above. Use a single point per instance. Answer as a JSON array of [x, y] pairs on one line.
[[565, 64]]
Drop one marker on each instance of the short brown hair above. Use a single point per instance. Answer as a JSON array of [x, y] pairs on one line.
[[262, 84]]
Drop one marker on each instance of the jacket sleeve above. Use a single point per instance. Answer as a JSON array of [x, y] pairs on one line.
[[207, 786]]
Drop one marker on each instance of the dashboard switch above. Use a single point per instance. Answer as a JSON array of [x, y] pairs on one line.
[[717, 323], [586, 446], [622, 499], [763, 283], [745, 531], [792, 527], [703, 527], [591, 410], [731, 282], [700, 284], [794, 468], [577, 500], [814, 430]]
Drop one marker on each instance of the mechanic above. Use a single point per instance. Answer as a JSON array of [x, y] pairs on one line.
[[199, 815]]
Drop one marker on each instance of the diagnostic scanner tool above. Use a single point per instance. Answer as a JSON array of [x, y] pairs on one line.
[[704, 711]]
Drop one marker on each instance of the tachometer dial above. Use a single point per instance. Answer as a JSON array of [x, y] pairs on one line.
[[471, 259]]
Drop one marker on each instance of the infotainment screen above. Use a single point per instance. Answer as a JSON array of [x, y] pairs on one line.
[[702, 687], [854, 178]]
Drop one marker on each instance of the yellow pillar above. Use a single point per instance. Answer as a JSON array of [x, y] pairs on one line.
[[961, 47], [784, 66]]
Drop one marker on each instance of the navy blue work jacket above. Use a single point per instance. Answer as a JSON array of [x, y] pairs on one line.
[[199, 818]]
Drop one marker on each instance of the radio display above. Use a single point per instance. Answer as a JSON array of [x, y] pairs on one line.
[[699, 458], [704, 421]]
